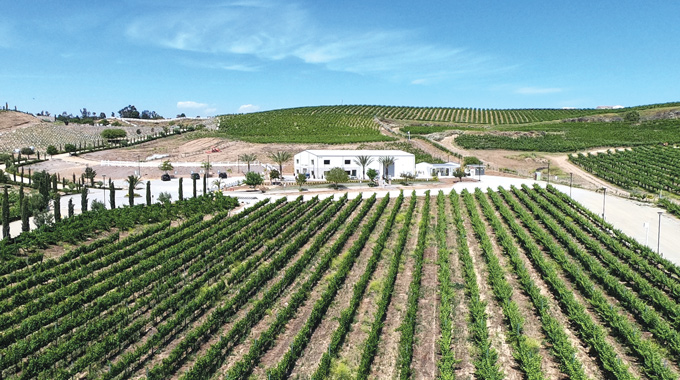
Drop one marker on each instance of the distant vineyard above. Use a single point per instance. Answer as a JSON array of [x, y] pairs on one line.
[[519, 283], [647, 168], [293, 127], [449, 115], [570, 137]]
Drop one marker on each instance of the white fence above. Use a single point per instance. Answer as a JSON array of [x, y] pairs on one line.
[[184, 164]]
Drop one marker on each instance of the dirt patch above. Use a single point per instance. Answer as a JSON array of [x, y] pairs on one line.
[[384, 364], [427, 327], [12, 120]]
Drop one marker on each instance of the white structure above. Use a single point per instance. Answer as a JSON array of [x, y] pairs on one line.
[[316, 163], [427, 170]]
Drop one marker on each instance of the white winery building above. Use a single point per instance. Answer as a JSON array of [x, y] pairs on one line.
[[316, 163]]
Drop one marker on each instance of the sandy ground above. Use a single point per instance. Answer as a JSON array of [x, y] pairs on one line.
[[185, 153]]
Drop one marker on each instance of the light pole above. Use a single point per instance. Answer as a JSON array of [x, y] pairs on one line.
[[604, 200], [658, 239], [571, 179], [104, 186]]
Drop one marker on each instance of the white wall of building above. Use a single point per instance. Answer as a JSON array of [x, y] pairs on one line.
[[317, 162]]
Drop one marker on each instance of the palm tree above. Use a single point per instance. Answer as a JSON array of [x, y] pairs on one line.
[[248, 158], [386, 162], [132, 181], [363, 161], [280, 157]]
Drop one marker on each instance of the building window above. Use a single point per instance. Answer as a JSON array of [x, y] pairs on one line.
[[326, 162], [297, 161], [312, 162], [347, 162]]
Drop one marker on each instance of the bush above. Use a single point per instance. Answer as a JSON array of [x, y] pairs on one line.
[[113, 134], [337, 175], [70, 148], [253, 179]]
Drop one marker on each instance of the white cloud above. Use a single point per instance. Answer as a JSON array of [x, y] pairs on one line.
[[249, 34], [191, 104], [248, 108], [210, 110], [537, 90]]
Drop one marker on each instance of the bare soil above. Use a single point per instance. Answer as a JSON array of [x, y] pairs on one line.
[[622, 352], [12, 120], [495, 322], [350, 353], [424, 362], [385, 361], [318, 343]]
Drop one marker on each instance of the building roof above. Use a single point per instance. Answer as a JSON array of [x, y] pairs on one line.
[[444, 165], [357, 152]]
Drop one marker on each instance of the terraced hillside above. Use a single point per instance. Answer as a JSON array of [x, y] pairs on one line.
[[518, 283]]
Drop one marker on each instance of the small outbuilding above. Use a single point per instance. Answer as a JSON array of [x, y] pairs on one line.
[[475, 170], [427, 170]]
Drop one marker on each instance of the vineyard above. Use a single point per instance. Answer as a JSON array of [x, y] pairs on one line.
[[648, 168], [570, 137], [518, 283], [293, 127], [447, 114]]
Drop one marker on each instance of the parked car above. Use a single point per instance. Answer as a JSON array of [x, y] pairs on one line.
[[165, 177], [223, 175]]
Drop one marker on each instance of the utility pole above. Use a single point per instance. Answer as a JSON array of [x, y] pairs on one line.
[[604, 199], [571, 179], [658, 239]]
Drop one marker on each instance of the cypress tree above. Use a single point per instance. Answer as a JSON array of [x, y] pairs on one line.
[[30, 177], [148, 193], [21, 192], [57, 207], [70, 207], [24, 217], [194, 180], [205, 182], [181, 192], [54, 182], [131, 194], [112, 195], [5, 214], [83, 199]]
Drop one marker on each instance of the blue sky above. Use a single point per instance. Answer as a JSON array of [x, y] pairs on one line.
[[242, 56]]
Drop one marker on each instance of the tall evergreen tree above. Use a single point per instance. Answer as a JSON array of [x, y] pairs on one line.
[[181, 192], [5, 214], [70, 208], [54, 183], [112, 195], [148, 193], [205, 182], [57, 207], [21, 192], [194, 181], [83, 199], [24, 217]]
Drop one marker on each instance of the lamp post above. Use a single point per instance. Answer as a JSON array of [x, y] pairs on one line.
[[604, 200], [658, 239], [104, 186], [571, 179]]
